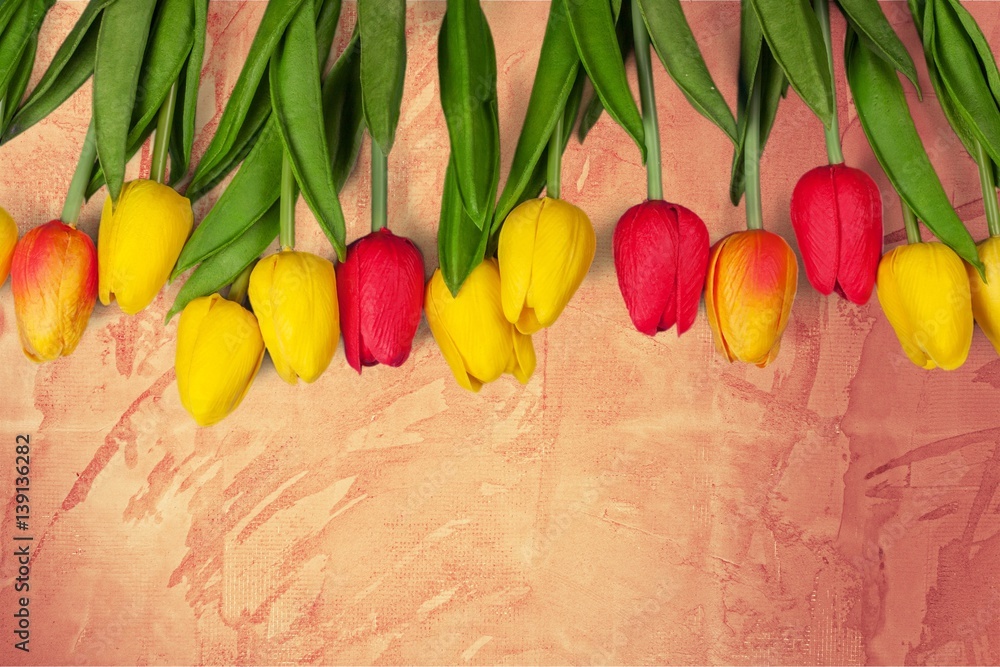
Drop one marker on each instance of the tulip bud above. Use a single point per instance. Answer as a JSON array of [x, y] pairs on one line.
[[380, 286], [986, 295], [294, 295], [219, 351], [54, 280], [8, 239], [924, 292], [139, 241], [837, 217], [545, 250], [752, 278], [475, 338], [661, 254]]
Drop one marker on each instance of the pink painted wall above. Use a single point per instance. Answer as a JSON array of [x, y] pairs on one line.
[[640, 501]]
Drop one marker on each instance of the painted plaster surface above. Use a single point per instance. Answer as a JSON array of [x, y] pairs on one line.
[[640, 501]]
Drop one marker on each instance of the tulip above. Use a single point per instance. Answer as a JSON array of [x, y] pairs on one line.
[[661, 254], [219, 351], [752, 278], [294, 295], [924, 291], [986, 295], [380, 286], [54, 280], [8, 239], [837, 217], [139, 241], [545, 249], [475, 337]]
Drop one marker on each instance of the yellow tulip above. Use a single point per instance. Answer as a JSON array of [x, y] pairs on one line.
[[924, 291], [219, 351], [475, 338], [8, 239], [139, 242], [986, 296], [294, 295], [545, 250]]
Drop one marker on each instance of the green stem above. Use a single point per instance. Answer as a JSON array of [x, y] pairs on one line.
[[751, 165], [81, 179], [238, 290], [286, 229], [833, 149], [647, 95], [161, 145], [911, 224], [380, 187], [554, 173], [989, 186], [3, 110]]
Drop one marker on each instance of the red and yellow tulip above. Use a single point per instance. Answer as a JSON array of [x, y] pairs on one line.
[[8, 240]]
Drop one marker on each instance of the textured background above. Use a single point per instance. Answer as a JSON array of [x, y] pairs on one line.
[[640, 501]]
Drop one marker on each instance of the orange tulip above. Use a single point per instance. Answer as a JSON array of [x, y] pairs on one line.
[[8, 239], [752, 278]]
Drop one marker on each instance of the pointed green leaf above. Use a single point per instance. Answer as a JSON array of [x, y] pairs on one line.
[[871, 25], [382, 24], [19, 82], [344, 114], [182, 135], [594, 108], [461, 243]]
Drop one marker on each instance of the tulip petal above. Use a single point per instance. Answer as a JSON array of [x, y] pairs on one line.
[[436, 298], [645, 250], [391, 276], [692, 262], [817, 226], [712, 300], [859, 208], [523, 360], [8, 240], [349, 298], [565, 244], [515, 253], [986, 296]]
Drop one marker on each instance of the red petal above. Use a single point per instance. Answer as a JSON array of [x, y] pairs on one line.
[[692, 266], [348, 298], [859, 204], [645, 249], [817, 229]]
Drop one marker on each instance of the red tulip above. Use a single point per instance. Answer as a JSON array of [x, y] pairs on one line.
[[54, 280], [381, 291], [837, 216], [661, 255]]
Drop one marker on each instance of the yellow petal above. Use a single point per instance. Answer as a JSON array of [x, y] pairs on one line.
[[986, 296], [139, 242], [8, 239], [523, 361], [219, 351], [436, 296], [565, 244], [515, 251]]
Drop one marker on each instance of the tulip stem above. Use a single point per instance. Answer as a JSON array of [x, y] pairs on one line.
[[751, 164], [833, 148], [911, 223], [238, 290], [554, 174], [380, 188], [989, 185], [647, 95], [81, 179], [286, 210], [161, 145]]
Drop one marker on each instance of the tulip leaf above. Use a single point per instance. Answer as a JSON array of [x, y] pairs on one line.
[[757, 68], [382, 25], [793, 34], [7, 9], [70, 67], [555, 77], [298, 105], [461, 243], [593, 27], [182, 134], [17, 35], [327, 17], [885, 116], [467, 72], [594, 108], [986, 59], [675, 44], [19, 82], [249, 103], [868, 21], [120, 46], [254, 189], [344, 114], [222, 268]]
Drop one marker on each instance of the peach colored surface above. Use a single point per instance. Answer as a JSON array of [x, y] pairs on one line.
[[640, 501]]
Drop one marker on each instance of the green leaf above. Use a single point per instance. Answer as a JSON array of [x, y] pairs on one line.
[[19, 82], [986, 59], [382, 25], [461, 243], [16, 37], [120, 46], [182, 134], [70, 67], [222, 268], [327, 17], [298, 105], [253, 191], [593, 28], [623, 31], [555, 77], [344, 114], [675, 44], [244, 106], [869, 22], [7, 10], [467, 73], [885, 117], [793, 33]]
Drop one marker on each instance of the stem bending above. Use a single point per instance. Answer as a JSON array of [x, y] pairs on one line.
[[647, 95], [81, 178], [751, 156]]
